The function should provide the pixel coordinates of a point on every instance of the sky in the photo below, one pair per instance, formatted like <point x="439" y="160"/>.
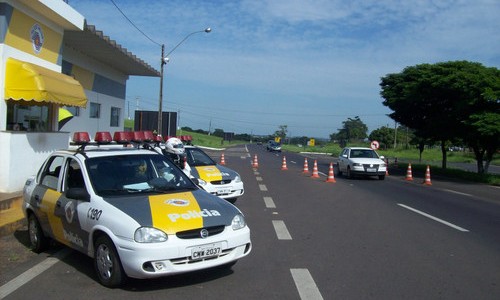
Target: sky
<point x="306" y="64"/>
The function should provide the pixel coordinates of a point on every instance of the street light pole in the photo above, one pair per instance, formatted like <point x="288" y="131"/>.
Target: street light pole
<point x="164" y="60"/>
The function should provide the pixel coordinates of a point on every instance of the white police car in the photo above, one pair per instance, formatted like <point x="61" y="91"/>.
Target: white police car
<point x="213" y="178"/>
<point x="132" y="210"/>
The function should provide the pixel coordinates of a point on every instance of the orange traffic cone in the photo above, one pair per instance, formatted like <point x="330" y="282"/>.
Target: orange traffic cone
<point x="427" y="180"/>
<point x="283" y="165"/>
<point x="331" y="177"/>
<point x="306" y="167"/>
<point x="409" y="176"/>
<point x="255" y="163"/>
<point x="222" y="160"/>
<point x="315" y="173"/>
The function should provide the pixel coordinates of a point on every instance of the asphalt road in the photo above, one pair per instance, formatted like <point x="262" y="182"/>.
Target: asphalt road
<point x="352" y="239"/>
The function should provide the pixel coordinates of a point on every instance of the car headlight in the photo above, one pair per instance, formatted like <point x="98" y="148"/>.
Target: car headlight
<point x="237" y="179"/>
<point x="149" y="235"/>
<point x="201" y="182"/>
<point x="357" y="165"/>
<point x="238" y="222"/>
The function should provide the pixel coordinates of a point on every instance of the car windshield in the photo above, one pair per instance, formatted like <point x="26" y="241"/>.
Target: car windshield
<point x="130" y="174"/>
<point x="363" y="153"/>
<point x="196" y="157"/>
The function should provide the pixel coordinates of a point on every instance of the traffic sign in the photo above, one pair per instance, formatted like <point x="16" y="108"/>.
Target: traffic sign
<point x="374" y="145"/>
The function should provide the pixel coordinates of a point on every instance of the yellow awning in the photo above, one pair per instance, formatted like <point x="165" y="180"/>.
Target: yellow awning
<point x="29" y="82"/>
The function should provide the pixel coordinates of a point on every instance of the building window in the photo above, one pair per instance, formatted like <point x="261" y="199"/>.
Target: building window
<point x="75" y="111"/>
<point x="95" y="110"/>
<point x="29" y="116"/>
<point x="115" y="117"/>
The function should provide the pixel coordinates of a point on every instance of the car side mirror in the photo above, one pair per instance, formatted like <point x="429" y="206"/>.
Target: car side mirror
<point x="382" y="157"/>
<point x="344" y="155"/>
<point x="78" y="194"/>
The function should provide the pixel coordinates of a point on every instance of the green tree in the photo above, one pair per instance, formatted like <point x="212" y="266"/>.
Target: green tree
<point x="281" y="132"/>
<point x="384" y="135"/>
<point x="352" y="130"/>
<point x="448" y="101"/>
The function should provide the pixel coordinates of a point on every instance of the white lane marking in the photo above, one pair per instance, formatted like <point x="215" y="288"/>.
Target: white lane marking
<point x="434" y="218"/>
<point x="262" y="187"/>
<point x="293" y="162"/>
<point x="27" y="276"/>
<point x="455" y="192"/>
<point x="269" y="202"/>
<point x="258" y="178"/>
<point x="305" y="284"/>
<point x="281" y="231"/>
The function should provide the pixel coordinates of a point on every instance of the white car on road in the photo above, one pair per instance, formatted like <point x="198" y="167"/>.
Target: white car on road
<point x="361" y="161"/>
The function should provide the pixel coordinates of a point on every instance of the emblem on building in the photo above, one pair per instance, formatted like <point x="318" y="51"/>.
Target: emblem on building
<point x="37" y="38"/>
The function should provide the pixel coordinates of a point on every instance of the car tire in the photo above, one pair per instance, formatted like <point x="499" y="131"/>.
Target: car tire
<point x="381" y="177"/>
<point x="348" y="172"/>
<point x="107" y="263"/>
<point x="38" y="241"/>
<point x="232" y="200"/>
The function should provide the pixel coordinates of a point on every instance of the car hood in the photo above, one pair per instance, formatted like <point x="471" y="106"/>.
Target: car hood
<point x="213" y="173"/>
<point x="367" y="161"/>
<point x="177" y="211"/>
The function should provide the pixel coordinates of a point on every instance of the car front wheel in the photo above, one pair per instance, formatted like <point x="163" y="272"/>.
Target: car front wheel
<point x="38" y="241"/>
<point x="348" y="173"/>
<point x="107" y="263"/>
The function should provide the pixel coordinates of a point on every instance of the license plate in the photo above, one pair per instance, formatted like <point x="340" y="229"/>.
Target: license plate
<point x="223" y="191"/>
<point x="206" y="251"/>
<point x="371" y="170"/>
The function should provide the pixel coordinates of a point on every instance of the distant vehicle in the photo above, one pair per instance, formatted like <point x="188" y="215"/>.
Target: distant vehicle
<point x="273" y="146"/>
<point x="216" y="179"/>
<point x="361" y="161"/>
<point x="133" y="211"/>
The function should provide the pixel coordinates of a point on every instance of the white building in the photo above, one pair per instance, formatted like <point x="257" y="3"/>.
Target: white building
<point x="51" y="59"/>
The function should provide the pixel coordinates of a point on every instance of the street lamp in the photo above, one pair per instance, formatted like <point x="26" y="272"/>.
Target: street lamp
<point x="164" y="60"/>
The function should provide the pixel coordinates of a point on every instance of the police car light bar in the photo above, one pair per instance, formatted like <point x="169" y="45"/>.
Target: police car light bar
<point x="123" y="137"/>
<point x="81" y="138"/>
<point x="148" y="136"/>
<point x="103" y="137"/>
<point x="138" y="137"/>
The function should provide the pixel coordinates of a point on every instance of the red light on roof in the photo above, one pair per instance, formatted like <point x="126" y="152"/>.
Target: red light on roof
<point x="148" y="136"/>
<point x="103" y="137"/>
<point x="81" y="138"/>
<point x="158" y="138"/>
<point x="138" y="136"/>
<point x="123" y="137"/>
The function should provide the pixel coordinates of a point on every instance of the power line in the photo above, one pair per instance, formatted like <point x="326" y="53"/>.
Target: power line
<point x="130" y="21"/>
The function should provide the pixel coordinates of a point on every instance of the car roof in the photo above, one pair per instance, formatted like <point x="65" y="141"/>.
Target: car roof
<point x="358" y="148"/>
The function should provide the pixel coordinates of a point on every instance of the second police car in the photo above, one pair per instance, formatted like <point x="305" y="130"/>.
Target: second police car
<point x="133" y="211"/>
<point x="214" y="178"/>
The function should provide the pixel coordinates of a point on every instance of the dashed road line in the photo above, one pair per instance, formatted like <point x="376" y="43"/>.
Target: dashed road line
<point x="281" y="230"/>
<point x="263" y="187"/>
<point x="434" y="218"/>
<point x="269" y="202"/>
<point x="258" y="178"/>
<point x="459" y="193"/>
<point x="305" y="284"/>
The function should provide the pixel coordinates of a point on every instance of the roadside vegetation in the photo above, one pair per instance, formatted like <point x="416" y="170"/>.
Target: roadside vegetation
<point x="431" y="156"/>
